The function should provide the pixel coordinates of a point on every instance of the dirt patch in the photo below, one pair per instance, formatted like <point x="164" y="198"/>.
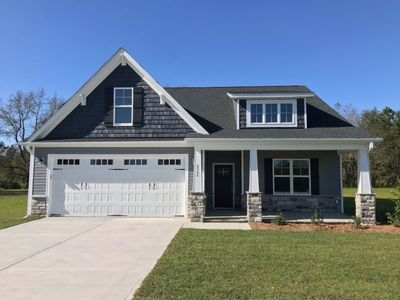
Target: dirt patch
<point x="327" y="227"/>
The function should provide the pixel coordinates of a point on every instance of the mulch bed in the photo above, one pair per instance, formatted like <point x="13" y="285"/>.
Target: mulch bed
<point x="327" y="227"/>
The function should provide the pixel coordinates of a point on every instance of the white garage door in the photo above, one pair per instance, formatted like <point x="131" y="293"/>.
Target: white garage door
<point x="139" y="186"/>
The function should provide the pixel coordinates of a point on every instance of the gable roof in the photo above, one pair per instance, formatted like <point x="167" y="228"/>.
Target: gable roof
<point x="213" y="109"/>
<point x="119" y="57"/>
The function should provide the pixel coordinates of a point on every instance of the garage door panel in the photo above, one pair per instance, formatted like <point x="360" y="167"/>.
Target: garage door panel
<point x="138" y="191"/>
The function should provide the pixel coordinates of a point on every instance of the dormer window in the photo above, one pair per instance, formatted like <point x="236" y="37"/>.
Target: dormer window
<point x="271" y="113"/>
<point x="123" y="106"/>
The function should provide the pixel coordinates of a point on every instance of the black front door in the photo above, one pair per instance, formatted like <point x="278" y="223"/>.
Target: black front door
<point x="223" y="186"/>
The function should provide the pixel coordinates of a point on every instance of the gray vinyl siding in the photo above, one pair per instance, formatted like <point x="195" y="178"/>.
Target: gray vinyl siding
<point x="39" y="172"/>
<point x="159" y="120"/>
<point x="329" y="168"/>
<point x="300" y="114"/>
<point x="222" y="157"/>
<point x="40" y="175"/>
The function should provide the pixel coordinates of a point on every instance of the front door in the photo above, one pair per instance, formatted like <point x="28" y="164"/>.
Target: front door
<point x="223" y="186"/>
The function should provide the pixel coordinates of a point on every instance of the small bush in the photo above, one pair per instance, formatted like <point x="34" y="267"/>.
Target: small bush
<point x="357" y="222"/>
<point x="279" y="220"/>
<point x="317" y="218"/>
<point x="394" y="217"/>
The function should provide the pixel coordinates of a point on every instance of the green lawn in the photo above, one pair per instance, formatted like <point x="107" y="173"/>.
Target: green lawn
<point x="13" y="208"/>
<point x="384" y="202"/>
<point x="216" y="264"/>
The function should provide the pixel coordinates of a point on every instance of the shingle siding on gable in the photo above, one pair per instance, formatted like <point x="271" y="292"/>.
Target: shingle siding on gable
<point x="300" y="113"/>
<point x="242" y="113"/>
<point x="159" y="121"/>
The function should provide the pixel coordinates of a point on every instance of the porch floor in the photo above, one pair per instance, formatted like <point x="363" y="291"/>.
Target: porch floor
<point x="290" y="216"/>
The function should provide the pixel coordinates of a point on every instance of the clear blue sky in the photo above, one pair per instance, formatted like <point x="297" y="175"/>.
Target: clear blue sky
<point x="346" y="51"/>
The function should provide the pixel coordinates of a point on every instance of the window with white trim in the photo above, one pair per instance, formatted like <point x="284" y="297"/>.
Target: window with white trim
<point x="292" y="176"/>
<point x="271" y="113"/>
<point x="123" y="106"/>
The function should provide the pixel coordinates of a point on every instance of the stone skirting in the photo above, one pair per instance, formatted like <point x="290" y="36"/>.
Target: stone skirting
<point x="196" y="207"/>
<point x="301" y="203"/>
<point x="39" y="206"/>
<point x="365" y="208"/>
<point x="254" y="208"/>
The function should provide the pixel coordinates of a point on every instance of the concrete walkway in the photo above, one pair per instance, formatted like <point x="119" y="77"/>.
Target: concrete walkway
<point x="81" y="258"/>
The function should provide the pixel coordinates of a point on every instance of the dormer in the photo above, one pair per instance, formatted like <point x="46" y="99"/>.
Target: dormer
<point x="270" y="110"/>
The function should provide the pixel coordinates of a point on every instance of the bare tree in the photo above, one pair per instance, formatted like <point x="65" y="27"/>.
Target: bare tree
<point x="22" y="114"/>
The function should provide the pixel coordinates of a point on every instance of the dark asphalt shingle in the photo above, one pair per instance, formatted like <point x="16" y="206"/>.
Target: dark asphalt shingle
<point x="213" y="109"/>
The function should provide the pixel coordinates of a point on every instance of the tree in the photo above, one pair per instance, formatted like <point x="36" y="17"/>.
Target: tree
<point x="385" y="157"/>
<point x="349" y="160"/>
<point x="20" y="116"/>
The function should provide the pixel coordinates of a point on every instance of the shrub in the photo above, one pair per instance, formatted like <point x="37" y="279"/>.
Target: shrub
<point x="317" y="218"/>
<point x="279" y="220"/>
<point x="357" y="222"/>
<point x="394" y="217"/>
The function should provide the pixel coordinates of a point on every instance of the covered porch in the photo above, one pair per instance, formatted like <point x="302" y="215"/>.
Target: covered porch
<point x="258" y="183"/>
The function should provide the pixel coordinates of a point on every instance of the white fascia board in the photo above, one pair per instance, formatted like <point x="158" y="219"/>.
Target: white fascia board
<point x="120" y="57"/>
<point x="269" y="95"/>
<point x="280" y="144"/>
<point x="109" y="144"/>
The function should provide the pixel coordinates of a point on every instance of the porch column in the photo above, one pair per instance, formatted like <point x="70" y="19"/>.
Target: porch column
<point x="197" y="198"/>
<point x="365" y="199"/>
<point x="254" y="200"/>
<point x="197" y="171"/>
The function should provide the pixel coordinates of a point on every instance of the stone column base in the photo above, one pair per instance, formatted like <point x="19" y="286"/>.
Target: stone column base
<point x="196" y="207"/>
<point x="254" y="207"/>
<point x="39" y="207"/>
<point x="365" y="208"/>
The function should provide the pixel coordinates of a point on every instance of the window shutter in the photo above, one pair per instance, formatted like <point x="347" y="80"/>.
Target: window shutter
<point x="138" y="107"/>
<point x="268" y="176"/>
<point x="314" y="176"/>
<point x="109" y="106"/>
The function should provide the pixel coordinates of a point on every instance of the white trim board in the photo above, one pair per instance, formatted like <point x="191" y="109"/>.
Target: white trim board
<point x="120" y="57"/>
<point x="256" y="95"/>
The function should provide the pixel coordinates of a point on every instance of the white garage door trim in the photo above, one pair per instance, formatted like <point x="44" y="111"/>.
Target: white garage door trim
<point x="52" y="157"/>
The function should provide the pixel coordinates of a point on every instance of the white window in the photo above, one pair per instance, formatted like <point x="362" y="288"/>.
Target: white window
<point x="271" y="113"/>
<point x="292" y="176"/>
<point x="123" y="106"/>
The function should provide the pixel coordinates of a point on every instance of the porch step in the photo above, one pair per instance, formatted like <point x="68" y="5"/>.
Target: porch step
<point x="225" y="219"/>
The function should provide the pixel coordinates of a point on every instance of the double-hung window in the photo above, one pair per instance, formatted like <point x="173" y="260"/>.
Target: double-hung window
<point x="271" y="113"/>
<point x="123" y="106"/>
<point x="292" y="176"/>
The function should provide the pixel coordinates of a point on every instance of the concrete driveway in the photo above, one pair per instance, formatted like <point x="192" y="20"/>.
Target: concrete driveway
<point x="81" y="258"/>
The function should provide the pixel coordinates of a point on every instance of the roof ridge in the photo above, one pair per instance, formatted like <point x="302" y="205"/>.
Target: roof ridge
<point x="233" y="86"/>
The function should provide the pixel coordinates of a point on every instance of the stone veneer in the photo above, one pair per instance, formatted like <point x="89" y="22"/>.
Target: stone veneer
<point x="254" y="207"/>
<point x="196" y="207"/>
<point x="38" y="206"/>
<point x="301" y="203"/>
<point x="365" y="208"/>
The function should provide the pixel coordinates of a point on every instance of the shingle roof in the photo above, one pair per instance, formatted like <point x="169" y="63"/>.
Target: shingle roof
<point x="213" y="109"/>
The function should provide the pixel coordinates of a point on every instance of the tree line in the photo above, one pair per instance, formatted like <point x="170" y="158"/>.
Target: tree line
<point x="24" y="112"/>
<point x="385" y="156"/>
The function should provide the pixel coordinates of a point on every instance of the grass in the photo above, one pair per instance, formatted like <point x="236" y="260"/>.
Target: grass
<point x="13" y="205"/>
<point x="215" y="264"/>
<point x="384" y="202"/>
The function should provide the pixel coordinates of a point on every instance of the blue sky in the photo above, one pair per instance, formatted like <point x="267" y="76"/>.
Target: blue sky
<point x="346" y="51"/>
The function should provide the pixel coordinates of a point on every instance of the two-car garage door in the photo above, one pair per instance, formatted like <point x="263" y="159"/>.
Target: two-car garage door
<point x="137" y="186"/>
